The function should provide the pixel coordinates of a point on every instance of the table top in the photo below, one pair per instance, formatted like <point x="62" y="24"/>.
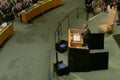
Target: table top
<point x="75" y="38"/>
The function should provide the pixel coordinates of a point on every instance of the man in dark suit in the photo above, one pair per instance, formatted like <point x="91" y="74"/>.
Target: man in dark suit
<point x="88" y="5"/>
<point x="86" y="33"/>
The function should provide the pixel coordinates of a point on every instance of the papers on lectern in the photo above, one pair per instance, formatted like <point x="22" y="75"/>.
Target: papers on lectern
<point x="76" y="37"/>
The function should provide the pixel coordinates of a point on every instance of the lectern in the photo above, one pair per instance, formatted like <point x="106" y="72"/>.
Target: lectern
<point x="78" y="58"/>
<point x="75" y="39"/>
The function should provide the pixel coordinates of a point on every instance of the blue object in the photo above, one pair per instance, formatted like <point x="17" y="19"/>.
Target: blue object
<point x="63" y="45"/>
<point x="61" y="66"/>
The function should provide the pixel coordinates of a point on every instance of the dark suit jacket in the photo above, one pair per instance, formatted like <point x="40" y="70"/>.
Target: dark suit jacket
<point x="88" y="2"/>
<point x="86" y="36"/>
<point x="118" y="6"/>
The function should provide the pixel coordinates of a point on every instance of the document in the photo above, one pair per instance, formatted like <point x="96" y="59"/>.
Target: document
<point x="76" y="37"/>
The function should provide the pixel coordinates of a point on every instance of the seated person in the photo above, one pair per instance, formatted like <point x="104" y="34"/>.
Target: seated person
<point x="8" y="10"/>
<point x="16" y="9"/>
<point x="86" y="33"/>
<point x="96" y="5"/>
<point x="35" y="1"/>
<point x="88" y="5"/>
<point x="112" y="4"/>
<point x="26" y="4"/>
<point x="2" y="17"/>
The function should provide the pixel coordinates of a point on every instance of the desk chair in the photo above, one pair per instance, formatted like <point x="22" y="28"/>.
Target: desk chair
<point x="106" y="26"/>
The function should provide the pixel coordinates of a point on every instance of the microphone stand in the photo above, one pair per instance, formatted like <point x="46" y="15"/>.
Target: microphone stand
<point x="56" y="57"/>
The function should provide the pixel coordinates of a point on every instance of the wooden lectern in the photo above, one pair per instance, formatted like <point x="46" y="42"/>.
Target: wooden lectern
<point x="75" y="39"/>
<point x="78" y="58"/>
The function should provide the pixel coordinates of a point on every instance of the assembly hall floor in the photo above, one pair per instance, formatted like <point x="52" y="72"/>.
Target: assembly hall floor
<point x="29" y="53"/>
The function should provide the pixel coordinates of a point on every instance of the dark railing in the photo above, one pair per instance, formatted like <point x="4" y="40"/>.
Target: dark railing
<point x="58" y="31"/>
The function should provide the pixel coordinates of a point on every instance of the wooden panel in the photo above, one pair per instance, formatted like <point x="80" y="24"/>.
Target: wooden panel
<point x="39" y="8"/>
<point x="6" y="32"/>
<point x="56" y="3"/>
<point x="23" y="17"/>
<point x="76" y="44"/>
<point x="47" y="6"/>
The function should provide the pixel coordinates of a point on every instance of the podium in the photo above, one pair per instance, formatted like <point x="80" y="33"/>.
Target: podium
<point x="78" y="58"/>
<point x="75" y="39"/>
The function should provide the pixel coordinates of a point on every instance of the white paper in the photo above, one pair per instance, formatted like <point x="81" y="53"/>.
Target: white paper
<point x="76" y="37"/>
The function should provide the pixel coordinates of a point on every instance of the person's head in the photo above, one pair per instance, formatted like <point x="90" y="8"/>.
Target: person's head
<point x="18" y="5"/>
<point x="85" y="26"/>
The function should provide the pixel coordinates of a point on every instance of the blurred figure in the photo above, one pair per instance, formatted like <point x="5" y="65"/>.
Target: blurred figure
<point x="104" y="5"/>
<point x="16" y="9"/>
<point x="113" y="4"/>
<point x="34" y="1"/>
<point x="86" y="33"/>
<point x="6" y="7"/>
<point x="96" y="6"/>
<point x="2" y="17"/>
<point x="88" y="5"/>
<point x="118" y="10"/>
<point x="8" y="10"/>
<point x="26" y="4"/>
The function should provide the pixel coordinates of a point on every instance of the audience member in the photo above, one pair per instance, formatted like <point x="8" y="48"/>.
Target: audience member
<point x="88" y="5"/>
<point x="118" y="9"/>
<point x="96" y="6"/>
<point x="104" y="5"/>
<point x="16" y="9"/>
<point x="101" y="4"/>
<point x="11" y="8"/>
<point x="26" y="4"/>
<point x="2" y="17"/>
<point x="8" y="10"/>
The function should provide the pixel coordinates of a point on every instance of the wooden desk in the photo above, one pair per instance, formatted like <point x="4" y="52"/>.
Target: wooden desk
<point x="38" y="8"/>
<point x="5" y="32"/>
<point x="75" y="39"/>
